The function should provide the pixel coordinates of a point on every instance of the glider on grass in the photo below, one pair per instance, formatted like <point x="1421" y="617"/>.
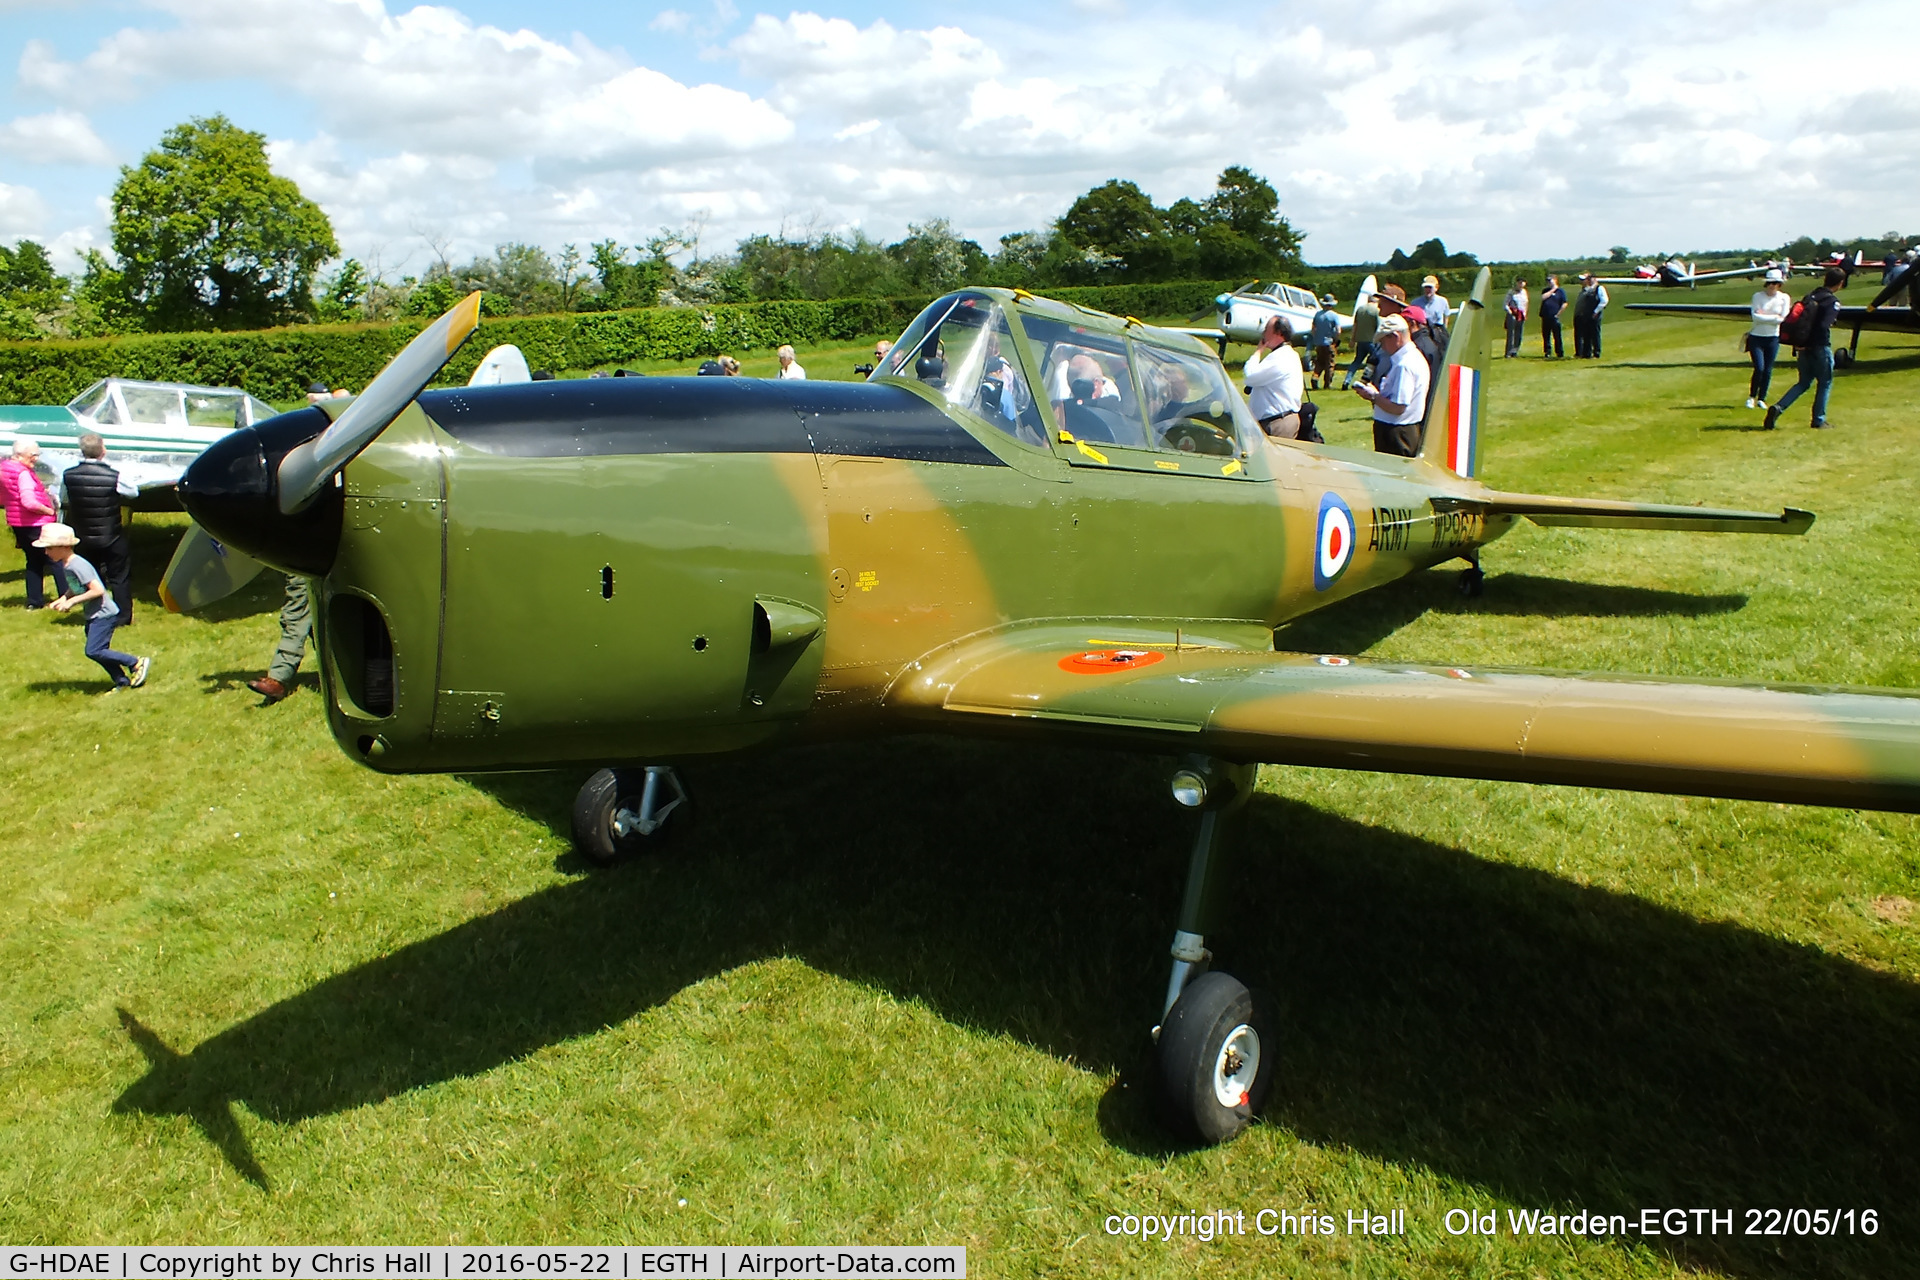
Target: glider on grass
<point x="613" y="575"/>
<point x="1675" y="274"/>
<point x="1875" y="317"/>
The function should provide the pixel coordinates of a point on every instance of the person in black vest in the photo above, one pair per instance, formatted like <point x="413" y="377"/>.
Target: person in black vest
<point x="95" y="489"/>
<point x="1588" y="307"/>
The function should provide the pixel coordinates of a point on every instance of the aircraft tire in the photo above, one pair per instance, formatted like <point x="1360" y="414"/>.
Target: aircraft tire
<point x="1218" y="1052"/>
<point x="603" y="795"/>
<point x="1473" y="582"/>
<point x="1842" y="358"/>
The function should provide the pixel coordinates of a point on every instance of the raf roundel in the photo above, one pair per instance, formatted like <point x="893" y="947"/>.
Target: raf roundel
<point x="1332" y="542"/>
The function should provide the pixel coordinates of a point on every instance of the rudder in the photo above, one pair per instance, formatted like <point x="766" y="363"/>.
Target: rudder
<point x="1454" y="417"/>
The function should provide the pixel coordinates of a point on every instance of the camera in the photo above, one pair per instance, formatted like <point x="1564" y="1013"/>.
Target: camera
<point x="864" y="370"/>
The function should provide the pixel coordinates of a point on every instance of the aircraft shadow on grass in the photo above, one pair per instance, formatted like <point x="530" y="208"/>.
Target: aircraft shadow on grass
<point x="1558" y="1045"/>
<point x="1360" y="622"/>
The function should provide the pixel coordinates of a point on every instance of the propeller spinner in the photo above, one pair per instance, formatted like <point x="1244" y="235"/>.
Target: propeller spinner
<point x="269" y="491"/>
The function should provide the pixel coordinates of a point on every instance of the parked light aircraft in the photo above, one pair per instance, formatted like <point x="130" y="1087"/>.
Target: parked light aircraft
<point x="1033" y="520"/>
<point x="1244" y="313"/>
<point x="152" y="430"/>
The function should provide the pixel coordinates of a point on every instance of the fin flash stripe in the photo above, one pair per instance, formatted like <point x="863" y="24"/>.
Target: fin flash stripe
<point x="1463" y="419"/>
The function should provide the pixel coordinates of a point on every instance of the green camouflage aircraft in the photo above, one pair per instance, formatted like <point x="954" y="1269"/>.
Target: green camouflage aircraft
<point x="1033" y="519"/>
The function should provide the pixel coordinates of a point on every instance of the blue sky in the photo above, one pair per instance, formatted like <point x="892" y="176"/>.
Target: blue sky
<point x="1513" y="128"/>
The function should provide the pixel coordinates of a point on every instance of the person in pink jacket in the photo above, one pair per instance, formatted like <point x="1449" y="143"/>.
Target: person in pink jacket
<point x="30" y="506"/>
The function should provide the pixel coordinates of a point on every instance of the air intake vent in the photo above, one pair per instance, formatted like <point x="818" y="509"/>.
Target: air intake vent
<point x="362" y="656"/>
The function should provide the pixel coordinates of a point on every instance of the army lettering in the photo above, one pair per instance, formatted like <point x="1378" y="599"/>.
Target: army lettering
<point x="1392" y="528"/>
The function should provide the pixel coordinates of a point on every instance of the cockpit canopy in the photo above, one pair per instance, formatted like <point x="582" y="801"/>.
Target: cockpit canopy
<point x="1099" y="382"/>
<point x="125" y="402"/>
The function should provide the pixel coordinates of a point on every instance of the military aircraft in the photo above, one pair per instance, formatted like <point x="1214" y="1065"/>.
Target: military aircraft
<point x="1244" y="313"/>
<point x="1033" y="520"/>
<point x="1875" y="317"/>
<point x="1675" y="274"/>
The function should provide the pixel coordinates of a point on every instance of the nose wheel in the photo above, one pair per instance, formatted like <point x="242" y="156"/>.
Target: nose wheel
<point x="622" y="812"/>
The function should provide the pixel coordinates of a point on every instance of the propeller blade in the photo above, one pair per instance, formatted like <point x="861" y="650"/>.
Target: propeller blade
<point x="1901" y="279"/>
<point x="308" y="468"/>
<point x="202" y="571"/>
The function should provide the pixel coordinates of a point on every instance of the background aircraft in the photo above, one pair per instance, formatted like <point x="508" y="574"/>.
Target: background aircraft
<point x="1033" y="520"/>
<point x="1675" y="274"/>
<point x="1875" y="317"/>
<point x="152" y="430"/>
<point x="1244" y="313"/>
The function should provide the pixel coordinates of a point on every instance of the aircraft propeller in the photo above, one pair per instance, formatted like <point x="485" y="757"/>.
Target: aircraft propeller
<point x="1220" y="300"/>
<point x="258" y="487"/>
<point x="204" y="570"/>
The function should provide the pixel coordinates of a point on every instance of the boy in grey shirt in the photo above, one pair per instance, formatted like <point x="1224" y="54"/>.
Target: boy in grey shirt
<point x="103" y="615"/>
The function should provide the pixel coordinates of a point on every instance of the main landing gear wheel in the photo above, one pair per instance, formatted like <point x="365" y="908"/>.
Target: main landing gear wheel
<point x="1473" y="582"/>
<point x="1217" y="1053"/>
<point x="1842" y="358"/>
<point x="621" y="812"/>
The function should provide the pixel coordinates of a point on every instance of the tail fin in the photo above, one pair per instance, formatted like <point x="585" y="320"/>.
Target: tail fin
<point x="1368" y="288"/>
<point x="1453" y="415"/>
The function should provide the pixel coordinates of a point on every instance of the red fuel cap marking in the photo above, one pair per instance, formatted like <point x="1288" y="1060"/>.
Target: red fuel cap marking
<point x="1099" y="662"/>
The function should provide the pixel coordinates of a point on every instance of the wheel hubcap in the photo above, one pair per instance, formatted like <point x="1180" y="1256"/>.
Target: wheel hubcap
<point x="1237" y="1066"/>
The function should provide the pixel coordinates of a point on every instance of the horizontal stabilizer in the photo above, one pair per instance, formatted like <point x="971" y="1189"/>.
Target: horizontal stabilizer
<point x="1601" y="513"/>
<point x="1112" y="683"/>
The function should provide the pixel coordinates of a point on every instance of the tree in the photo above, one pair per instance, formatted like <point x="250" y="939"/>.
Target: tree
<point x="1115" y="230"/>
<point x="935" y="260"/>
<point x="1618" y="253"/>
<point x="1115" y="220"/>
<point x="209" y="237"/>
<point x="344" y="294"/>
<point x="1247" y="203"/>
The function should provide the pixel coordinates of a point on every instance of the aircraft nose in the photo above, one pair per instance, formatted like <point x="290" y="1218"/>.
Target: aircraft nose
<point x="232" y="491"/>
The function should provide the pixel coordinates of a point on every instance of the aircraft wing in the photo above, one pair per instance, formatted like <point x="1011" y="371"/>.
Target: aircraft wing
<point x="1701" y="277"/>
<point x="1212" y="687"/>
<point x="1879" y="320"/>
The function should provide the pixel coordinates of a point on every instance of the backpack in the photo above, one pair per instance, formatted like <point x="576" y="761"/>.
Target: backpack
<point x="1797" y="328"/>
<point x="1308" y="433"/>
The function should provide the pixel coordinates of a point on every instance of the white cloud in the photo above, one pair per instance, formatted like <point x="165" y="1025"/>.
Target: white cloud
<point x="57" y="137"/>
<point x="1508" y="128"/>
<point x="22" y="211"/>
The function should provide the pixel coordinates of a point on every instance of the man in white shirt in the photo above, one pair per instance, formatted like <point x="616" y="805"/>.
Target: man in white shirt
<point x="1400" y="401"/>
<point x="1274" y="380"/>
<point x="1433" y="302"/>
<point x="789" y="367"/>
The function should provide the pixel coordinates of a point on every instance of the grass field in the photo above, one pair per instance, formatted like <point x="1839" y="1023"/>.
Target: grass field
<point x="898" y="992"/>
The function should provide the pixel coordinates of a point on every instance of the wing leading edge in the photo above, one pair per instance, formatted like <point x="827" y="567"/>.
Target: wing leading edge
<point x="1799" y="745"/>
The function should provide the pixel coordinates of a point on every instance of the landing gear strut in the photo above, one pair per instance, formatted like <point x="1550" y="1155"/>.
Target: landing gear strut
<point x="1473" y="579"/>
<point x="1218" y="1043"/>
<point x="620" y="812"/>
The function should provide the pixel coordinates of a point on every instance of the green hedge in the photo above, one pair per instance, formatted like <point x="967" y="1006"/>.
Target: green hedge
<point x="278" y="364"/>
